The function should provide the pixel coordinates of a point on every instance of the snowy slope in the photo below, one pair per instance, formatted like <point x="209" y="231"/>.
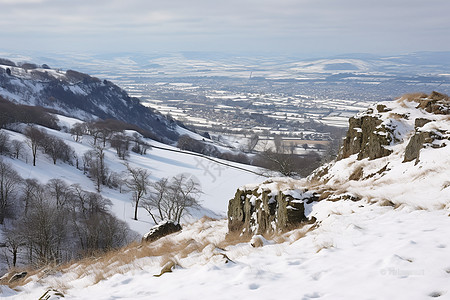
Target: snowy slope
<point x="421" y="184"/>
<point x="217" y="181"/>
<point x="389" y="241"/>
<point x="358" y="252"/>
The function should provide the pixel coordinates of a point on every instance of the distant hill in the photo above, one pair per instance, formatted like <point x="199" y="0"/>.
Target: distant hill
<point x="79" y="95"/>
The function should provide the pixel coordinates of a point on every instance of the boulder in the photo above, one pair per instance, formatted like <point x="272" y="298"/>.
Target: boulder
<point x="161" y="230"/>
<point x="420" y="122"/>
<point x="436" y="103"/>
<point x="422" y="139"/>
<point x="412" y="150"/>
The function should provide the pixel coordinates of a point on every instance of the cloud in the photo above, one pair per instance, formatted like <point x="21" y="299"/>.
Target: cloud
<point x="237" y="23"/>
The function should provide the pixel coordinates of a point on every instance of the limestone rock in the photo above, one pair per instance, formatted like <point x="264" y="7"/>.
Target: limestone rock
<point x="436" y="103"/>
<point x="412" y="150"/>
<point x="434" y="138"/>
<point x="420" y="122"/>
<point x="161" y="230"/>
<point x="261" y="210"/>
<point x="367" y="138"/>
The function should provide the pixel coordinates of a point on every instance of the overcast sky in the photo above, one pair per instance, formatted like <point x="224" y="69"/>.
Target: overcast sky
<point x="278" y="26"/>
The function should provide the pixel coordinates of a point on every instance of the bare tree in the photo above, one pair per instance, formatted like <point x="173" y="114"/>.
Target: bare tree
<point x="56" y="148"/>
<point x="59" y="192"/>
<point x="158" y="201"/>
<point x="105" y="133"/>
<point x="14" y="240"/>
<point x="9" y="183"/>
<point x="252" y="142"/>
<point x="34" y="138"/>
<point x="185" y="192"/>
<point x="140" y="146"/>
<point x="16" y="148"/>
<point x="93" y="130"/>
<point x="278" y="142"/>
<point x="170" y="199"/>
<point x="4" y="142"/>
<point x="44" y="230"/>
<point x="77" y="131"/>
<point x="94" y="163"/>
<point x="31" y="192"/>
<point x="137" y="183"/>
<point x="121" y="143"/>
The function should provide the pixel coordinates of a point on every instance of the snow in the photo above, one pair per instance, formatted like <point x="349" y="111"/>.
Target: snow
<point x="218" y="182"/>
<point x="358" y="252"/>
<point x="363" y="249"/>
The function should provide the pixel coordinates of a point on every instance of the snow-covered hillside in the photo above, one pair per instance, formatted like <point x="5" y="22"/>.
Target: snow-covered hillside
<point x="79" y="95"/>
<point x="381" y="229"/>
<point x="217" y="181"/>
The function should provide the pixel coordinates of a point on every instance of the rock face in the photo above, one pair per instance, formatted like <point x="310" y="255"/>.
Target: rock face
<point x="372" y="132"/>
<point x="161" y="230"/>
<point x="265" y="209"/>
<point x="416" y="142"/>
<point x="366" y="137"/>
<point x="428" y="136"/>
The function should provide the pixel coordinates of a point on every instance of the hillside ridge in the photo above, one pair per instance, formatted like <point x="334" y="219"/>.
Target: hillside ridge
<point x="79" y="95"/>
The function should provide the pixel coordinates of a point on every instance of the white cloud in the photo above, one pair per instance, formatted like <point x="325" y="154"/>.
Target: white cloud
<point x="238" y="23"/>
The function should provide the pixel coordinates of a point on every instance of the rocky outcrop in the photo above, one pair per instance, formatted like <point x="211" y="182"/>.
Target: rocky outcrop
<point x="377" y="140"/>
<point x="265" y="209"/>
<point x="416" y="142"/>
<point x="436" y="103"/>
<point x="161" y="230"/>
<point x="428" y="136"/>
<point x="366" y="137"/>
<point x="434" y="138"/>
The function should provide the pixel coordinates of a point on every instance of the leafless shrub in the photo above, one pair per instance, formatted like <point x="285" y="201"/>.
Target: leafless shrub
<point x="137" y="183"/>
<point x="16" y="148"/>
<point x="169" y="199"/>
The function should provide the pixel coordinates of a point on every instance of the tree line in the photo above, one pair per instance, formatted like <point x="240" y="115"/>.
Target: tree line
<point x="54" y="222"/>
<point x="59" y="221"/>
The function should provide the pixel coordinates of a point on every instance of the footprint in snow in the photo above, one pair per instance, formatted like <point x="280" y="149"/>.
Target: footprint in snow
<point x="314" y="295"/>
<point x="253" y="286"/>
<point x="436" y="294"/>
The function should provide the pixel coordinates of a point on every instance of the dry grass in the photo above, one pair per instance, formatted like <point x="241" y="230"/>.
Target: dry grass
<point x="445" y="185"/>
<point x="413" y="97"/>
<point x="357" y="174"/>
<point x="387" y="202"/>
<point x="234" y="238"/>
<point x="397" y="116"/>
<point x="101" y="266"/>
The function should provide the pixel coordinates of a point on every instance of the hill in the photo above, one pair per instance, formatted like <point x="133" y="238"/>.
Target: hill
<point x="376" y="226"/>
<point x="74" y="174"/>
<point x="79" y="95"/>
